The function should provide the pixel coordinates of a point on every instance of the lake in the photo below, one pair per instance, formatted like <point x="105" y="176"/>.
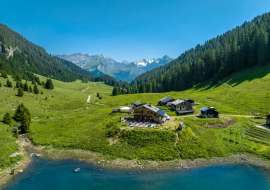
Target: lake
<point x="50" y="174"/>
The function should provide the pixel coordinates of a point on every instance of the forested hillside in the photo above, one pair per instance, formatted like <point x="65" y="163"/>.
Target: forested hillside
<point x="245" y="46"/>
<point x="18" y="56"/>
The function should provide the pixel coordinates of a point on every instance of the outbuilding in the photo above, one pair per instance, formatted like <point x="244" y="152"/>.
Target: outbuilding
<point x="268" y="119"/>
<point x="137" y="104"/>
<point x="182" y="106"/>
<point x="165" y="100"/>
<point x="209" y="112"/>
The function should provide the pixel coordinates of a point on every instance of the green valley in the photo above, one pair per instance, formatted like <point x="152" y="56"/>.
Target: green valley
<point x="62" y="119"/>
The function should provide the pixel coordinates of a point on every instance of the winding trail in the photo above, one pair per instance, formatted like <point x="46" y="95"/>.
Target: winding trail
<point x="88" y="100"/>
<point x="225" y="83"/>
<point x="85" y="89"/>
<point x="177" y="139"/>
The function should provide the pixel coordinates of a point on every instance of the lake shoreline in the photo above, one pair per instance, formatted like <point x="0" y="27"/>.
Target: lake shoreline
<point x="123" y="164"/>
<point x="25" y="144"/>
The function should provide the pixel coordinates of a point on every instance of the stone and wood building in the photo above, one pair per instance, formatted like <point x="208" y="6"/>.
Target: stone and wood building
<point x="147" y="112"/>
<point x="182" y="106"/>
<point x="164" y="101"/>
<point x="209" y="112"/>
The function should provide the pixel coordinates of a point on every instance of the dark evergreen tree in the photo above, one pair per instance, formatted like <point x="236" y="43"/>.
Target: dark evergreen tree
<point x="17" y="84"/>
<point x="7" y="119"/>
<point x="20" y="92"/>
<point x="49" y="84"/>
<point x="98" y="94"/>
<point x="36" y="91"/>
<point x="30" y="89"/>
<point x="115" y="91"/>
<point x="25" y="87"/>
<point x="9" y="83"/>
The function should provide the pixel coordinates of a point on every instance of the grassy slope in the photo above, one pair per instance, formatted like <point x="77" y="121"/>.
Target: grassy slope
<point x="67" y="121"/>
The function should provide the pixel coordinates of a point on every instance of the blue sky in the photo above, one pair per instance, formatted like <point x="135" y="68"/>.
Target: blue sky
<point x="126" y="29"/>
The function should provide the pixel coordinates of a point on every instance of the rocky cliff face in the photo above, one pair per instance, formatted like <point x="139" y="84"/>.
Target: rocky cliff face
<point x="8" y="50"/>
<point x="125" y="71"/>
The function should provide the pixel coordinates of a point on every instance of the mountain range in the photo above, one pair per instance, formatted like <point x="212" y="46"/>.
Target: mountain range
<point x="125" y="71"/>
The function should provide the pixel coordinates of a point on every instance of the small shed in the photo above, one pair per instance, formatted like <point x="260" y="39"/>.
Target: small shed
<point x="189" y="100"/>
<point x="137" y="104"/>
<point x="209" y="112"/>
<point x="268" y="119"/>
<point x="165" y="100"/>
<point x="116" y="109"/>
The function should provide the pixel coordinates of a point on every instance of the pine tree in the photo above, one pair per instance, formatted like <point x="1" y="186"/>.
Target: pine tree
<point x="115" y="91"/>
<point x="17" y="84"/>
<point x="49" y="84"/>
<point x="30" y="89"/>
<point x="25" y="87"/>
<point x="7" y="119"/>
<point x="25" y="121"/>
<point x="20" y="92"/>
<point x="41" y="92"/>
<point x="33" y="82"/>
<point x="36" y="91"/>
<point x="9" y="83"/>
<point x="21" y="84"/>
<point x="98" y="94"/>
<point x="4" y="74"/>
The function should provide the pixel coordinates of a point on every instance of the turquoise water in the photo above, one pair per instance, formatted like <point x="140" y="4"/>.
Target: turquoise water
<point x="50" y="175"/>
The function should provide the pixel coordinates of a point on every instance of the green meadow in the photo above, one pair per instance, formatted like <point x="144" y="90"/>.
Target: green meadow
<point x="62" y="119"/>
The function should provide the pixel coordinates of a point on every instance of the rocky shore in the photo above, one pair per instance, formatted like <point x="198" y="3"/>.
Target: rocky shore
<point x="119" y="163"/>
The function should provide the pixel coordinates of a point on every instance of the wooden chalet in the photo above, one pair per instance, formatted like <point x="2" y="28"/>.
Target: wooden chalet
<point x="209" y="112"/>
<point x="149" y="112"/>
<point x="182" y="106"/>
<point x="165" y="100"/>
<point x="268" y="119"/>
<point x="137" y="104"/>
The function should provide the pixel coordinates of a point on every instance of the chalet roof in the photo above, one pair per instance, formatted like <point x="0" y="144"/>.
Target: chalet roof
<point x="176" y="102"/>
<point x="153" y="108"/>
<point x="166" y="99"/>
<point x="137" y="103"/>
<point x="204" y="109"/>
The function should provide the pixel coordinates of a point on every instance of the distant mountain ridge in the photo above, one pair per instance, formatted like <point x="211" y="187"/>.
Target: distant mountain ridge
<point x="125" y="71"/>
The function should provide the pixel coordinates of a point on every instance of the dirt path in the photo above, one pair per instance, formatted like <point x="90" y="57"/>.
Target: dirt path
<point x="88" y="100"/>
<point x="177" y="139"/>
<point x="226" y="84"/>
<point x="172" y="117"/>
<point x="85" y="89"/>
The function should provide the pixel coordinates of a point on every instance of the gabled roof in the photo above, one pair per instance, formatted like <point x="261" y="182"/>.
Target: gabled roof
<point x="137" y="103"/>
<point x="176" y="102"/>
<point x="204" y="109"/>
<point x="153" y="108"/>
<point x="166" y="99"/>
